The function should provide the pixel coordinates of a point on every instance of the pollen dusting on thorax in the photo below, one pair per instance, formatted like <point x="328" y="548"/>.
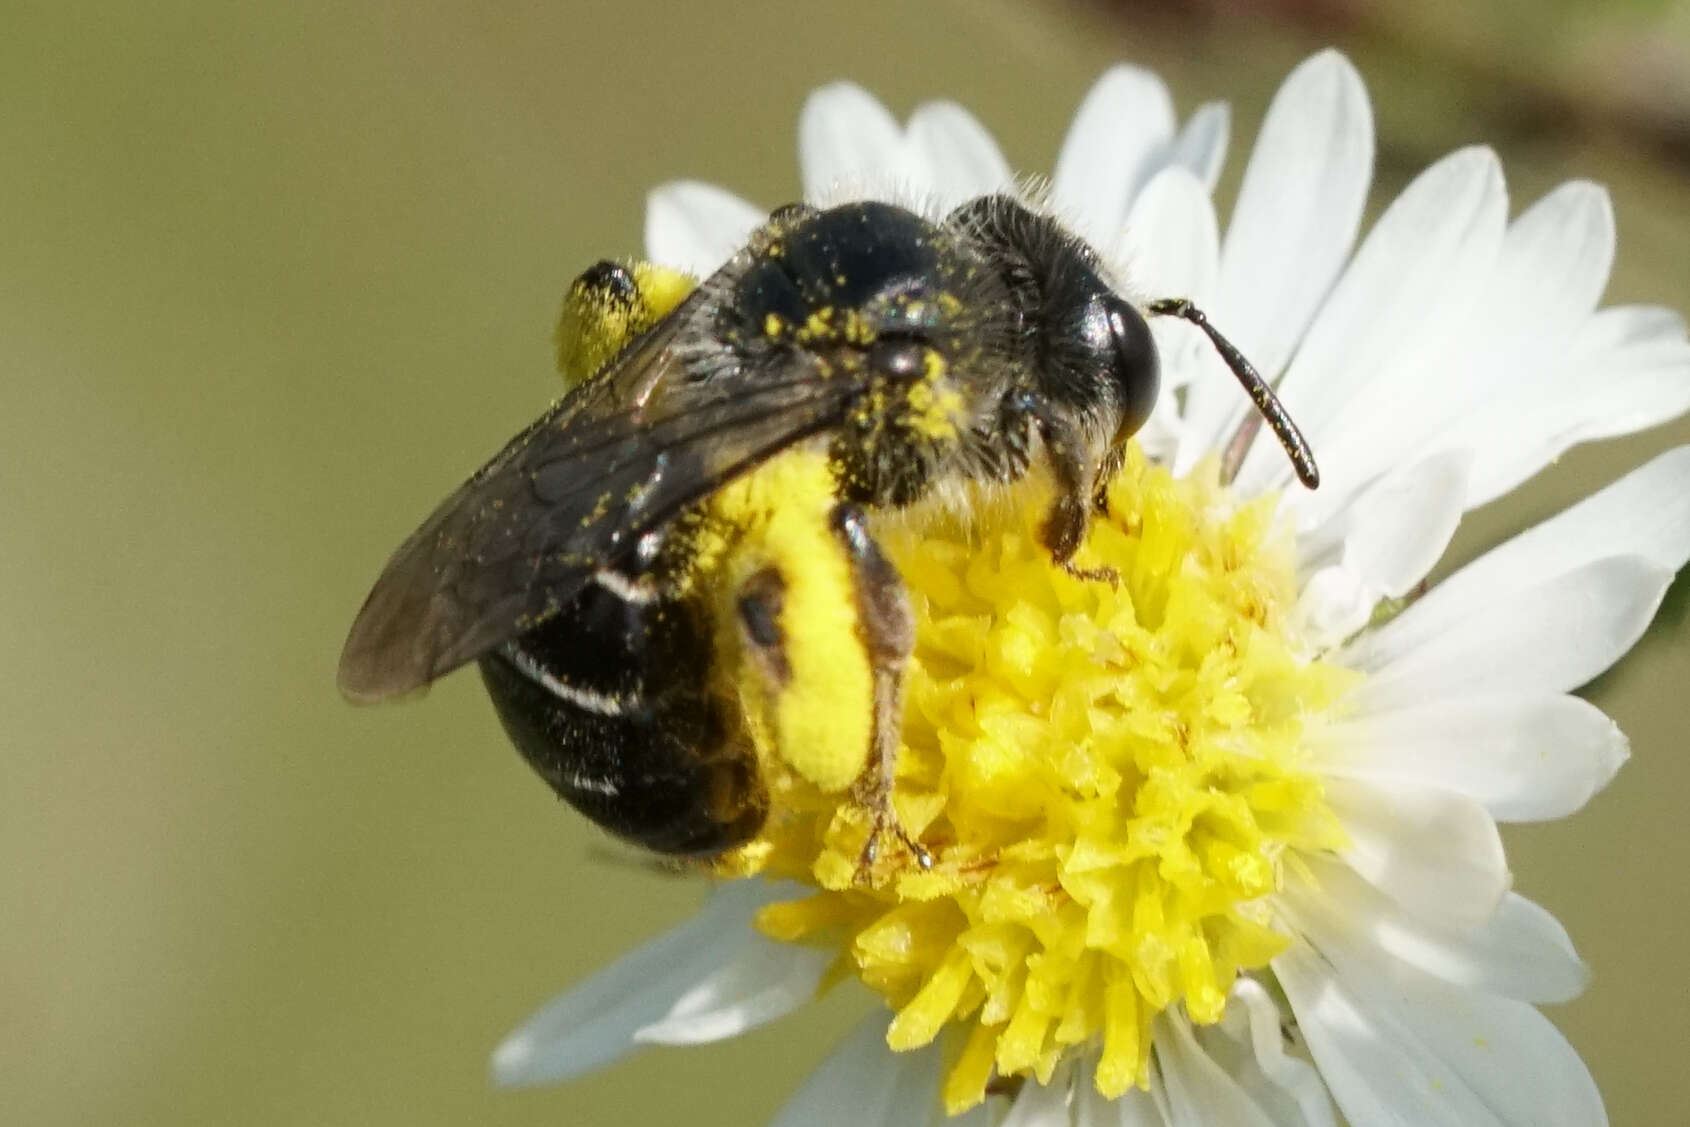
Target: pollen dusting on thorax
<point x="1110" y="778"/>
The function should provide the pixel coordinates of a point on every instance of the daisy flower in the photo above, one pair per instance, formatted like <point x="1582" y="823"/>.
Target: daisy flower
<point x="1218" y="843"/>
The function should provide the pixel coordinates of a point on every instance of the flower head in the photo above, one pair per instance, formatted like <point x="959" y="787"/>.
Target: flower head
<point x="1217" y="842"/>
<point x="1110" y="778"/>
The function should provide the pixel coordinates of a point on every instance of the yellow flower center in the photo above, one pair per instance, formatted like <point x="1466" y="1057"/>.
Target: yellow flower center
<point x="1110" y="778"/>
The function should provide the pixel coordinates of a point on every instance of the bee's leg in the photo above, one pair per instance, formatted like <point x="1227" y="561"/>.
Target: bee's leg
<point x="1112" y="463"/>
<point x="1064" y="527"/>
<point x="791" y="214"/>
<point x="606" y="307"/>
<point x="888" y="631"/>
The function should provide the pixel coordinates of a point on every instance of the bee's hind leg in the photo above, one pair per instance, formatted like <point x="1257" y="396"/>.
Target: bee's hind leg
<point x="606" y="307"/>
<point x="888" y="631"/>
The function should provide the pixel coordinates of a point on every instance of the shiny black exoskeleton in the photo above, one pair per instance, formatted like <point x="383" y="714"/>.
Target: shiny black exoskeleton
<point x="918" y="355"/>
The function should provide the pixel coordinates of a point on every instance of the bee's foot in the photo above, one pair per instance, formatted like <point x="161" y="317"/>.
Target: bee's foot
<point x="886" y="822"/>
<point x="1093" y="574"/>
<point x="918" y="852"/>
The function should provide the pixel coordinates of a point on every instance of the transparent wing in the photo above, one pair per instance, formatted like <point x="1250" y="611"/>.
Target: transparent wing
<point x="617" y="458"/>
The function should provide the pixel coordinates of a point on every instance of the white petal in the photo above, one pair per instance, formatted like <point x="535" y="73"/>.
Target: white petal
<point x="1172" y="247"/>
<point x="763" y="981"/>
<point x="1499" y="637"/>
<point x="1406" y="523"/>
<point x="1498" y="391"/>
<point x="866" y="1084"/>
<point x="1124" y="122"/>
<point x="1250" y="1043"/>
<point x="1413" y="285"/>
<point x="1509" y="1054"/>
<point x="696" y="227"/>
<point x="1297" y="215"/>
<point x="980" y="1115"/>
<point x="594" y="1023"/>
<point x="1091" y="1109"/>
<point x="1379" y="1073"/>
<point x="1398" y="528"/>
<point x="915" y="1091"/>
<point x="1499" y="1053"/>
<point x="1519" y="951"/>
<point x="1088" y="1108"/>
<point x="1199" y="1091"/>
<point x="847" y="138"/>
<point x="1040" y="1105"/>
<point x="1525" y="757"/>
<point x="1543" y="611"/>
<point x="1434" y="852"/>
<point x="1624" y="370"/>
<point x="1552" y="270"/>
<point x="1300" y="201"/>
<point x="1560" y="250"/>
<point x="1160" y="436"/>
<point x="1543" y="386"/>
<point x="1645" y="513"/>
<point x="1201" y="145"/>
<point x="961" y="158"/>
<point x="1334" y="603"/>
<point x="1173" y="243"/>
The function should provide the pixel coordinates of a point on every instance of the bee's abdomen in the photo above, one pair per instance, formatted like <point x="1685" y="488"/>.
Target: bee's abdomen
<point x="610" y="703"/>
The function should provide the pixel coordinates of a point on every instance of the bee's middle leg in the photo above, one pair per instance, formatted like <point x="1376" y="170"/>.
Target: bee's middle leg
<point x="888" y="629"/>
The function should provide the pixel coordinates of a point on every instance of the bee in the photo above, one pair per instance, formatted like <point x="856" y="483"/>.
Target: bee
<point x="676" y="563"/>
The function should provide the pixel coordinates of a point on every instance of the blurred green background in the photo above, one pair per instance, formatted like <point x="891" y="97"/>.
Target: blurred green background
<point x="273" y="278"/>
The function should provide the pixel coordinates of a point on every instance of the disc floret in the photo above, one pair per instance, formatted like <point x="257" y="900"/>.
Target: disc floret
<point x="1110" y="777"/>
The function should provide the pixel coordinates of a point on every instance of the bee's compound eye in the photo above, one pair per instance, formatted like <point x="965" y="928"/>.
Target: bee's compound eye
<point x="1137" y="369"/>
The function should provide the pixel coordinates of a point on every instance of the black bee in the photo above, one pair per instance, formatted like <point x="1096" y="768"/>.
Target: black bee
<point x="675" y="565"/>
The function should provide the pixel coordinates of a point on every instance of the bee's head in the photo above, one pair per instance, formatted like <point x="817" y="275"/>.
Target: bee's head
<point x="1095" y="360"/>
<point x="1093" y="354"/>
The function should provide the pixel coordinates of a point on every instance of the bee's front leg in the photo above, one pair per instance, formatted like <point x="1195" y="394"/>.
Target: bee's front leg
<point x="1075" y="470"/>
<point x="887" y="626"/>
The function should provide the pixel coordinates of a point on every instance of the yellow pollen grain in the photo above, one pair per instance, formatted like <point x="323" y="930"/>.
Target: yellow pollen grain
<point x="818" y="325"/>
<point x="1111" y="780"/>
<point x="935" y="407"/>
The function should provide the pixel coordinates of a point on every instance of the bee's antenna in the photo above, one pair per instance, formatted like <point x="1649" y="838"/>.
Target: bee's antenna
<point x="1302" y="458"/>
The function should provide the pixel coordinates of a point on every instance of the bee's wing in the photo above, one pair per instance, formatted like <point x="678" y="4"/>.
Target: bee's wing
<point x="574" y="492"/>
